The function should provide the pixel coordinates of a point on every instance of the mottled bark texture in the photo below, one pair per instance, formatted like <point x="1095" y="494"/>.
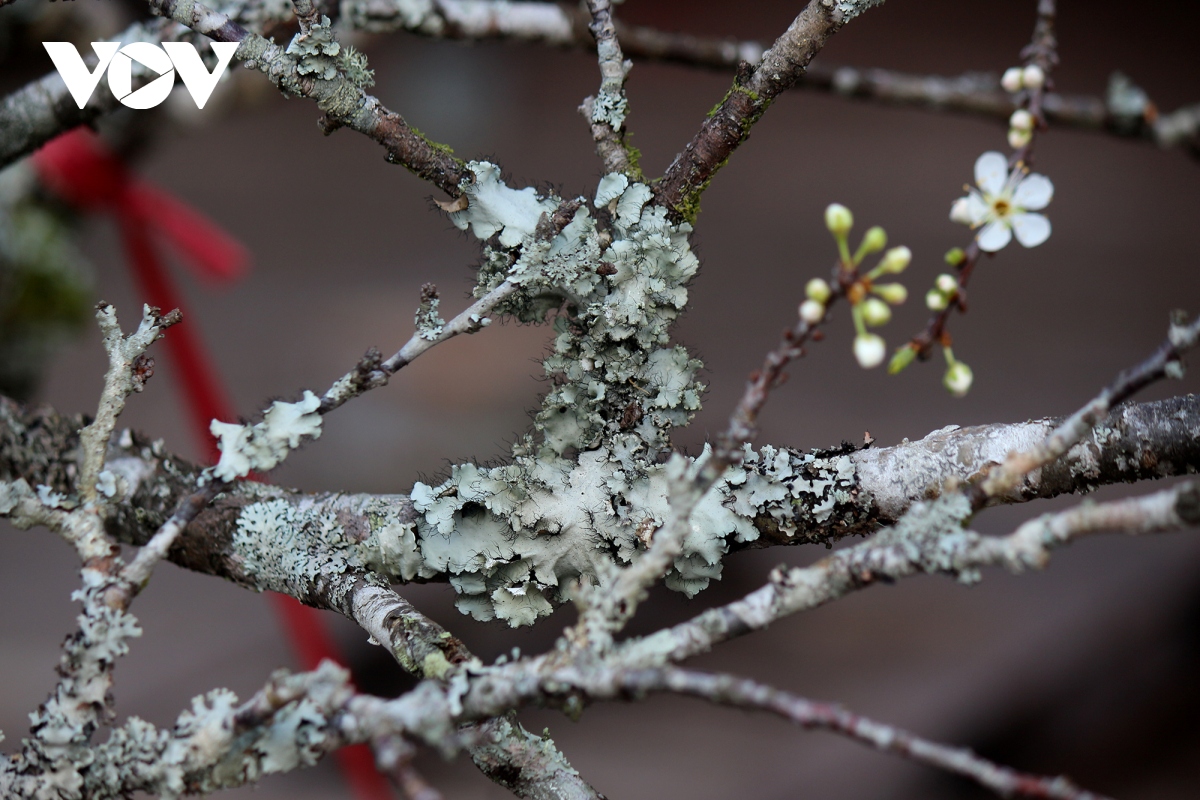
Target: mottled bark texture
<point x="1138" y="441"/>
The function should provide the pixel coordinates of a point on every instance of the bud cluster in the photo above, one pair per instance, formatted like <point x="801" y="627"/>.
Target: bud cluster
<point x="870" y="301"/>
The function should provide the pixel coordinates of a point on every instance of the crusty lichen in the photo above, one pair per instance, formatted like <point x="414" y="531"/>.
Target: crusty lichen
<point x="588" y="479"/>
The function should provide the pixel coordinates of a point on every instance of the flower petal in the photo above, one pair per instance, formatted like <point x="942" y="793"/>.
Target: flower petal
<point x="991" y="171"/>
<point x="1034" y="192"/>
<point x="1031" y="229"/>
<point x="994" y="236"/>
<point x="977" y="208"/>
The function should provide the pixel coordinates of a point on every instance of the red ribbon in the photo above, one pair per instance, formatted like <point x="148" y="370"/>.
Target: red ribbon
<point x="82" y="171"/>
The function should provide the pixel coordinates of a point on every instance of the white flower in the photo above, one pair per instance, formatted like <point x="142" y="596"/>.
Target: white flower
<point x="1002" y="204"/>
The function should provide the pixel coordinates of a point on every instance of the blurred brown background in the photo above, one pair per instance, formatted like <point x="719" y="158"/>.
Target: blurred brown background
<point x="1088" y="668"/>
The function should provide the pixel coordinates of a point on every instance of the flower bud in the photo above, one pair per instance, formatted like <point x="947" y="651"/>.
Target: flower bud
<point x="958" y="379"/>
<point x="838" y="219"/>
<point x="946" y="284"/>
<point x="1012" y="80"/>
<point x="936" y="301"/>
<point x="903" y="357"/>
<point x="875" y="312"/>
<point x="1018" y="138"/>
<point x="873" y="241"/>
<point x="895" y="260"/>
<point x="818" y="290"/>
<point x="812" y="312"/>
<point x="955" y="256"/>
<point x="894" y="293"/>
<point x="960" y="212"/>
<point x="869" y="349"/>
<point x="1021" y="119"/>
<point x="1033" y="77"/>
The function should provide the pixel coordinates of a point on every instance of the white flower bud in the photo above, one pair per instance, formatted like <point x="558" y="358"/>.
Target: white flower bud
<point x="895" y="260"/>
<point x="1012" y="80"/>
<point x="1033" y="77"/>
<point x="812" y="312"/>
<point x="818" y="290"/>
<point x="946" y="284"/>
<point x="936" y="301"/>
<point x="1018" y="138"/>
<point x="960" y="212"/>
<point x="875" y="312"/>
<point x="1021" y="119"/>
<point x="958" y="379"/>
<point x="869" y="349"/>
<point x="838" y="219"/>
<point x="894" y="293"/>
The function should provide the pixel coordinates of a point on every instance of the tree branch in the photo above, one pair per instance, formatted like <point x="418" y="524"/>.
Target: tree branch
<point x="729" y="123"/>
<point x="338" y="92"/>
<point x="1138" y="441"/>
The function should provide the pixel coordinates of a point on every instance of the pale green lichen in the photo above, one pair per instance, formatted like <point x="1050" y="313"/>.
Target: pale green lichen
<point x="850" y="9"/>
<point x="261" y="447"/>
<point x="428" y="321"/>
<point x="291" y="549"/>
<point x="319" y="54"/>
<point x="494" y="208"/>
<point x="610" y="108"/>
<point x="588" y="480"/>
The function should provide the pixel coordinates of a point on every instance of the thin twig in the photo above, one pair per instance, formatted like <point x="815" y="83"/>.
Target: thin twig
<point x="606" y="112"/>
<point x="729" y="690"/>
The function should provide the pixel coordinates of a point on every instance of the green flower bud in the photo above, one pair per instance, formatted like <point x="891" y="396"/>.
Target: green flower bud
<point x="873" y="241"/>
<point x="875" y="312"/>
<point x="903" y="357"/>
<point x="946" y="284"/>
<point x="812" y="312"/>
<point x="1018" y="138"/>
<point x="936" y="301"/>
<point x="894" y="293"/>
<point x="838" y="219"/>
<point x="869" y="350"/>
<point x="958" y="379"/>
<point x="955" y="256"/>
<point x="818" y="290"/>
<point x="895" y="260"/>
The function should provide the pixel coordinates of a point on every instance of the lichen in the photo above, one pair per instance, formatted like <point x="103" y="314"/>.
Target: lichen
<point x="428" y="321"/>
<point x="611" y="109"/>
<point x="319" y="54"/>
<point x="262" y="446"/>
<point x="495" y="208"/>
<point x="292" y="549"/>
<point x="849" y="9"/>
<point x="513" y="539"/>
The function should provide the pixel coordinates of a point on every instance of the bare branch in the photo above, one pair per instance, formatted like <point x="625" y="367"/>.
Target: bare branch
<point x="341" y="97"/>
<point x="752" y="93"/>
<point x="729" y="690"/>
